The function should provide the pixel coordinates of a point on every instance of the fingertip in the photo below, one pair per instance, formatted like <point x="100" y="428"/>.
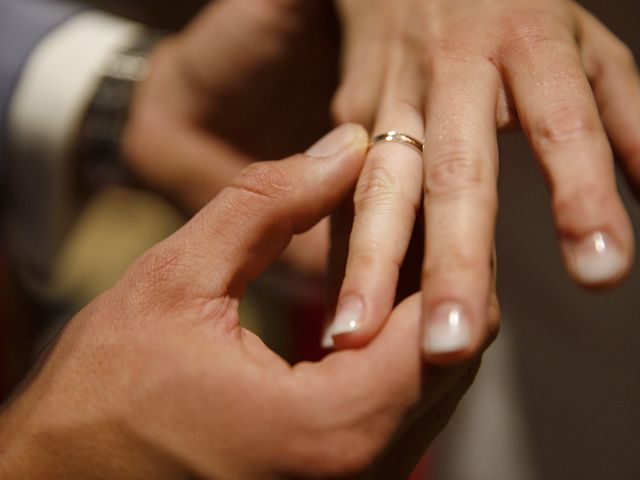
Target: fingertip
<point x="350" y="327"/>
<point x="597" y="260"/>
<point x="365" y="300"/>
<point x="327" y="342"/>
<point x="449" y="335"/>
<point x="358" y="320"/>
<point x="360" y="138"/>
<point x="349" y="316"/>
<point x="346" y="137"/>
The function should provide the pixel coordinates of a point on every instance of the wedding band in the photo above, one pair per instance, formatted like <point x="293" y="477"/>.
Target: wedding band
<point x="393" y="136"/>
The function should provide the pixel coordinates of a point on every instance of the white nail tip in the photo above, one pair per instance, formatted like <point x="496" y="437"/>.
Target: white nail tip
<point x="597" y="259"/>
<point x="349" y="317"/>
<point x="447" y="330"/>
<point x="327" y="339"/>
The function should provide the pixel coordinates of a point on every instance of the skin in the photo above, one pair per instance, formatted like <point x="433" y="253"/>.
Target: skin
<point x="456" y="73"/>
<point x="200" y="117"/>
<point x="156" y="379"/>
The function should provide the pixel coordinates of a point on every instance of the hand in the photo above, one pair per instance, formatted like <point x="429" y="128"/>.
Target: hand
<point x="469" y="68"/>
<point x="156" y="379"/>
<point x="207" y="109"/>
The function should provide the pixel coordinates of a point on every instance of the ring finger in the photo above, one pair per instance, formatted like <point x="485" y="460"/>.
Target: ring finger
<point x="386" y="200"/>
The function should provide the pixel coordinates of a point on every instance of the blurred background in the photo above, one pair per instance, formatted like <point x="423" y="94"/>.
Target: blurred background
<point x="559" y="393"/>
<point x="116" y="224"/>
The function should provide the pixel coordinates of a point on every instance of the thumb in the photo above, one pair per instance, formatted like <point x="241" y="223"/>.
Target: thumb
<point x="248" y="225"/>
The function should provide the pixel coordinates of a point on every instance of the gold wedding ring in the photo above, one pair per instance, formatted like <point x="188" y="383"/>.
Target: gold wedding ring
<point x="393" y="136"/>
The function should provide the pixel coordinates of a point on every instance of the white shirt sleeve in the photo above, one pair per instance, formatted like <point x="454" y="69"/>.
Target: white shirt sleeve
<point x="52" y="95"/>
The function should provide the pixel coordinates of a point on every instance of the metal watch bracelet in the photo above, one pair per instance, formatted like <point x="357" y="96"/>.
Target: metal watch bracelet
<point x="99" y="144"/>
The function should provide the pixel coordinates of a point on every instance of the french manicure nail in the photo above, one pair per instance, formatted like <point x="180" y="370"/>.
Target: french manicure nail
<point x="333" y="142"/>
<point x="597" y="258"/>
<point x="349" y="316"/>
<point x="327" y="340"/>
<point x="447" y="330"/>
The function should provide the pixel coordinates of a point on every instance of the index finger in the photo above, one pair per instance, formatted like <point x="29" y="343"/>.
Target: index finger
<point x="241" y="232"/>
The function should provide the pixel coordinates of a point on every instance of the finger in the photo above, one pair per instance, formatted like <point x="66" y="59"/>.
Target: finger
<point x="239" y="234"/>
<point x="613" y="74"/>
<point x="373" y="390"/>
<point x="559" y="116"/>
<point x="341" y="225"/>
<point x="460" y="177"/>
<point x="206" y="165"/>
<point x="357" y="97"/>
<point x="411" y="446"/>
<point x="386" y="199"/>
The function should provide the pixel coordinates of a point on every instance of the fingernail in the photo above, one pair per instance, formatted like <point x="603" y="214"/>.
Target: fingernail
<point x="447" y="330"/>
<point x="327" y="340"/>
<point x="597" y="258"/>
<point x="349" y="316"/>
<point x="335" y="141"/>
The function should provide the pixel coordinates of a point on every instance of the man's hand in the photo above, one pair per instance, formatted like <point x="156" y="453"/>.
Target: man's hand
<point x="454" y="73"/>
<point x="156" y="379"/>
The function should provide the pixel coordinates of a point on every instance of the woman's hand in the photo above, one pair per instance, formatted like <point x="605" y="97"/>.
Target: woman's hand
<point x="156" y="379"/>
<point x="220" y="94"/>
<point x="455" y="72"/>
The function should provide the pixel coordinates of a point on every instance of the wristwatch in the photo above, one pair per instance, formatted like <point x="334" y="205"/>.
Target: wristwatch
<point x="99" y="144"/>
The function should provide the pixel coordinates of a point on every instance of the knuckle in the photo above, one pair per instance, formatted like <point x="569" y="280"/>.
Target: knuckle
<point x="442" y="61"/>
<point x="364" y="260"/>
<point x="347" y="107"/>
<point x="158" y="263"/>
<point x="572" y="206"/>
<point x="377" y="187"/>
<point x="565" y="123"/>
<point x="262" y="180"/>
<point x="454" y="262"/>
<point x="362" y="263"/>
<point x="528" y="30"/>
<point x="438" y="56"/>
<point x="154" y="275"/>
<point x="456" y="169"/>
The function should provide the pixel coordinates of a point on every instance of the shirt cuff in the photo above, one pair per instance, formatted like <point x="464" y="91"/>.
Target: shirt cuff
<point x="50" y="99"/>
<point x="23" y="24"/>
